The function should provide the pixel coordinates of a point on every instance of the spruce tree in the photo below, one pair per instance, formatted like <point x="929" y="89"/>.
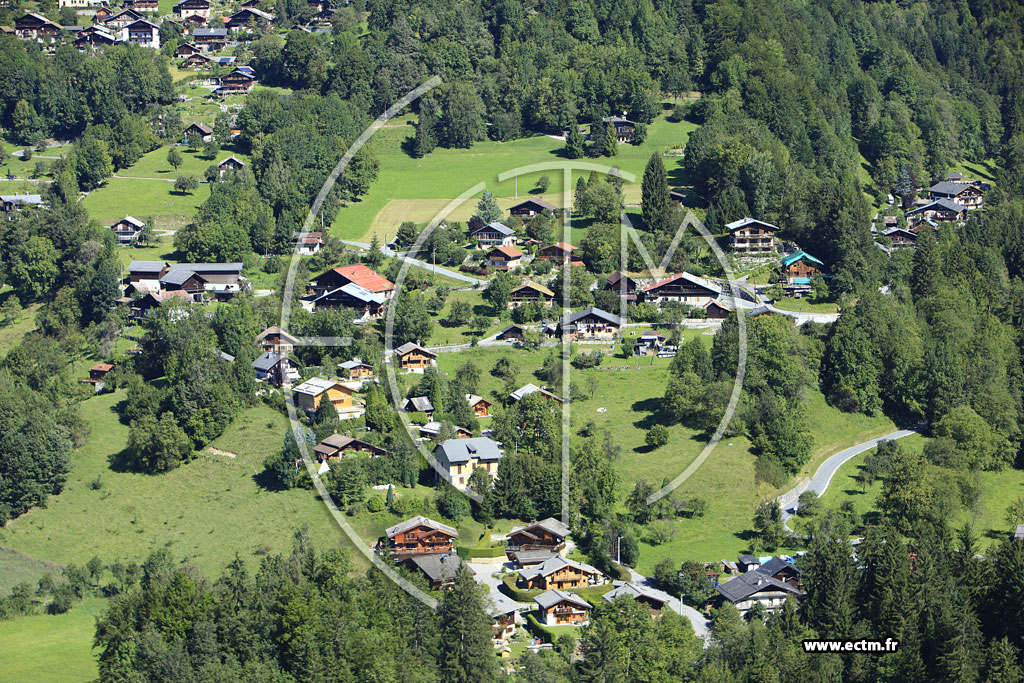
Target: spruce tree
<point x="1001" y="663"/>
<point x="574" y="142"/>
<point x="654" y="196"/>
<point x="487" y="208"/>
<point x="611" y="143"/>
<point x="581" y="203"/>
<point x="927" y="267"/>
<point x="467" y="655"/>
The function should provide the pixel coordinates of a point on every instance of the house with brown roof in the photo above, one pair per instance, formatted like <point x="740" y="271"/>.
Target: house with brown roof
<point x="503" y="258"/>
<point x="307" y="243"/>
<point x="559" y="608"/>
<point x="622" y="284"/>
<point x="336" y="445"/>
<point x="198" y="128"/>
<point x="590" y="323"/>
<point x="248" y="16"/>
<point x="414" y="358"/>
<point x="531" y="207"/>
<point x="560" y="252"/>
<point x="531" y="292"/>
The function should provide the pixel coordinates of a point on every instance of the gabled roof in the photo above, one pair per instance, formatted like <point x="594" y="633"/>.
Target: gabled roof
<point x="231" y="158"/>
<point x="318" y="385"/>
<point x="146" y="266"/>
<point x="131" y="220"/>
<point x="527" y="389"/>
<point x="274" y="329"/>
<point x="507" y="252"/>
<point x="337" y="442"/>
<point x="775" y="565"/>
<point x="536" y="202"/>
<point x="509" y="329"/>
<point x="555" y="564"/>
<point x="258" y="12"/>
<point x="420" y="404"/>
<point x="564" y="246"/>
<point x="550" y="524"/>
<point x="799" y="255"/>
<point x="419" y="520"/>
<point x="364" y="277"/>
<point x="950" y="188"/>
<point x="549" y="599"/>
<point x="498" y="604"/>
<point x="268" y="360"/>
<point x="409" y="346"/>
<point x="356" y="292"/>
<point x="634" y="591"/>
<point x="473" y="400"/>
<point x="22" y="198"/>
<point x="692" y="279"/>
<point x="535" y="287"/>
<point x="438" y="566"/>
<point x="500" y="228"/>
<point x="115" y="17"/>
<point x="354" y="363"/>
<point x="151" y="25"/>
<point x="247" y="70"/>
<point x="596" y="312"/>
<point x="746" y="585"/>
<point x="616" y="277"/>
<point x="939" y="204"/>
<point x="463" y="450"/>
<point x="210" y="33"/>
<point x="178" y="276"/>
<point x="744" y="222"/>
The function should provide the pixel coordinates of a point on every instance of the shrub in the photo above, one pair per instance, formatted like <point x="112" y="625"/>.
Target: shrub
<point x="657" y="436"/>
<point x="375" y="503"/>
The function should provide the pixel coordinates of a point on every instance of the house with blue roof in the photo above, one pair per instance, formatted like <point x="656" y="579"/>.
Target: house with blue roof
<point x="799" y="267"/>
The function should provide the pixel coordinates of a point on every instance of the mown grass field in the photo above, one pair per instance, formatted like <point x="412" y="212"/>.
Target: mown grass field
<point x="48" y="648"/>
<point x="999" y="489"/>
<point x="446" y="173"/>
<point x="203" y="512"/>
<point x="17" y="567"/>
<point x="804" y="306"/>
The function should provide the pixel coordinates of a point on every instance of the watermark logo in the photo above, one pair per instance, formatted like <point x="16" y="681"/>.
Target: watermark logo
<point x="627" y="232"/>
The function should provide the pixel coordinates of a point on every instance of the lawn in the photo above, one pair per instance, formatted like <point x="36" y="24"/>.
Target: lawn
<point x="804" y="306"/>
<point x="120" y="197"/>
<point x="25" y="322"/>
<point x="17" y="567"/>
<point x="999" y="489"/>
<point x="204" y="512"/>
<point x="51" y="648"/>
<point x="445" y="173"/>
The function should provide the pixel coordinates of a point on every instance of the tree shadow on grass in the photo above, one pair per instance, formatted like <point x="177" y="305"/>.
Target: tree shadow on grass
<point x="652" y="409"/>
<point x="266" y="481"/>
<point x="121" y="462"/>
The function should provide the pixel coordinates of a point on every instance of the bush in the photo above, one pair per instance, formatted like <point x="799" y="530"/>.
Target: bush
<point x="659" y="532"/>
<point x="402" y="506"/>
<point x="657" y="436"/>
<point x="375" y="503"/>
<point x="97" y="483"/>
<point x="272" y="265"/>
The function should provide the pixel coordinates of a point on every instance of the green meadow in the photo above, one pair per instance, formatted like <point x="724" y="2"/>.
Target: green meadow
<point x="56" y="649"/>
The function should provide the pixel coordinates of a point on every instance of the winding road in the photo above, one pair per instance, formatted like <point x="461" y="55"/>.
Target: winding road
<point x="455" y="275"/>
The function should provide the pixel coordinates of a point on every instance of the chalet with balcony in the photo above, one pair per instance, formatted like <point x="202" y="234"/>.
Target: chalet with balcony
<point x="531" y="207"/>
<point x="504" y="613"/>
<point x="459" y="458"/>
<point x="560" y="573"/>
<point x="127" y="230"/>
<point x="275" y="369"/>
<point x="368" y="304"/>
<point x="511" y="333"/>
<point x="311" y="393"/>
<point x="939" y="210"/>
<point x="548" y="535"/>
<point x="756" y="587"/>
<point x="901" y="237"/>
<point x="414" y="358"/>
<point x="34" y="26"/>
<point x="357" y="274"/>
<point x="118" y="21"/>
<point x="624" y="128"/>
<point x="307" y="243"/>
<point x="493" y="235"/>
<point x="684" y="288"/>
<point x="193" y="8"/>
<point x="420" y="536"/>
<point x="966" y="194"/>
<point x="240" y="80"/>
<point x="94" y="36"/>
<point x="196" y="60"/>
<point x="439" y="569"/>
<point x="277" y="340"/>
<point x="355" y="369"/>
<point x="230" y="165"/>
<point x="503" y="258"/>
<point x="559" y="252"/>
<point x="591" y="323"/>
<point x="751" y="236"/>
<point x="142" y="33"/>
<point x="210" y="39"/>
<point x="652" y="598"/>
<point x="531" y="293"/>
<point x="248" y="16"/>
<point x="558" y="608"/>
<point x="480" y="406"/>
<point x="799" y="267"/>
<point x="143" y="5"/>
<point x="336" y="445"/>
<point x="195" y="128"/>
<point x="622" y="284"/>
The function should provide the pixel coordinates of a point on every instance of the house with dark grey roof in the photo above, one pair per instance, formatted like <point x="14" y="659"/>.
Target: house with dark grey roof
<point x="548" y="535"/>
<point x="591" y="323"/>
<point x="939" y="210"/>
<point x="414" y="358"/>
<point x="420" y="535"/>
<point x="419" y="404"/>
<point x="531" y="292"/>
<point x="493" y="235"/>
<point x="559" y="608"/>
<point x="127" y="230"/>
<point x="460" y="457"/>
<point x="531" y="207"/>
<point x="757" y="587"/>
<point x="560" y="573"/>
<point x="504" y="611"/>
<point x="14" y="202"/>
<point x="685" y="288"/>
<point x="438" y="568"/>
<point x="336" y="445"/>
<point x="654" y="599"/>
<point x="275" y="369"/>
<point x="963" y="193"/>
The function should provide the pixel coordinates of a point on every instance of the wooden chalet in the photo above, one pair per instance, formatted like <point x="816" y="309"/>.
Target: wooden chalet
<point x="503" y="258"/>
<point x="503" y="611"/>
<point x="621" y="283"/>
<point x="966" y="194"/>
<point x="418" y="404"/>
<point x="127" y="230"/>
<point x="194" y="21"/>
<point x="511" y="333"/>
<point x="530" y="388"/>
<point x="677" y="197"/>
<point x="311" y="393"/>
<point x="307" y="243"/>
<point x="357" y="274"/>
<point x="277" y="340"/>
<point x="799" y="267"/>
<point x="531" y="292"/>
<point x="211" y="39"/>
<point x="248" y="16"/>
<point x="351" y="296"/>
<point x="548" y="535"/>
<point x="197" y="128"/>
<point x="229" y="165"/>
<point x="480" y="406"/>
<point x="560" y="252"/>
<point x="336" y="445"/>
<point x="439" y="569"/>
<point x="432" y="431"/>
<point x="420" y="536"/>
<point x="118" y="21"/>
<point x="591" y="323"/>
<point x="901" y="237"/>
<point x="34" y="26"/>
<point x="355" y="369"/>
<point x="684" y="288"/>
<point x="196" y="60"/>
<point x="624" y="128"/>
<point x="493" y="235"/>
<point x="530" y="208"/>
<point x="184" y="50"/>
<point x="939" y="210"/>
<point x="193" y="8"/>
<point x="143" y="33"/>
<point x="756" y="587"/>
<point x="558" y="608"/>
<point x="751" y="236"/>
<point x="718" y="309"/>
<point x="94" y="36"/>
<point x="652" y="598"/>
<point x="241" y="79"/>
<point x="414" y="357"/>
<point x="560" y="573"/>
<point x="9" y="203"/>
<point x="143" y="5"/>
<point x="99" y="371"/>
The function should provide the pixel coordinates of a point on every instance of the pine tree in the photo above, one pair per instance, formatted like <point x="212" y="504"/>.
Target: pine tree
<point x="581" y="202"/>
<point x="574" y="142"/>
<point x="487" y="208"/>
<point x="467" y="655"/>
<point x="654" y="196"/>
<point x="927" y="267"/>
<point x="374" y="256"/>
<point x="391" y="496"/>
<point x="1001" y="663"/>
<point x="611" y="143"/>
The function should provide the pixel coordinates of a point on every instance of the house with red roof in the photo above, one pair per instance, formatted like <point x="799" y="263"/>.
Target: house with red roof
<point x="357" y="274"/>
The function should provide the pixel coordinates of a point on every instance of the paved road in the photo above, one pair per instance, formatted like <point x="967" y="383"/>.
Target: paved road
<point x="823" y="476"/>
<point x="700" y="624"/>
<point x="455" y="275"/>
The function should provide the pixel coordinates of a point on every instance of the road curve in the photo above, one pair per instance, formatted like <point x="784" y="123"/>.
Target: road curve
<point x="821" y="479"/>
<point x="455" y="275"/>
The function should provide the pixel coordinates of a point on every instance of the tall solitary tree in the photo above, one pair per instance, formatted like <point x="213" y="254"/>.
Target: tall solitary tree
<point x="574" y="142"/>
<point x="487" y="208"/>
<point x="467" y="655"/>
<point x="654" y="195"/>
<point x="174" y="158"/>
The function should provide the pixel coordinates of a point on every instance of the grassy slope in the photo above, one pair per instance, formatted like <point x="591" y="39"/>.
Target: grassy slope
<point x="204" y="512"/>
<point x="446" y="173"/>
<point x="51" y="648"/>
<point x="17" y="567"/>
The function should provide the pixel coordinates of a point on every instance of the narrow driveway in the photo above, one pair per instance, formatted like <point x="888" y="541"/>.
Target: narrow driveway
<point x="455" y="275"/>
<point x="697" y="620"/>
